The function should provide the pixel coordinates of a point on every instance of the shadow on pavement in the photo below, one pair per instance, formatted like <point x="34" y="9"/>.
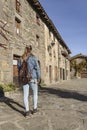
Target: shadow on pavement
<point x="64" y="93"/>
<point x="13" y="104"/>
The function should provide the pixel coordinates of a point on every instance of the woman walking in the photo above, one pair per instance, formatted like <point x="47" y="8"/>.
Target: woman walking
<point x="34" y="78"/>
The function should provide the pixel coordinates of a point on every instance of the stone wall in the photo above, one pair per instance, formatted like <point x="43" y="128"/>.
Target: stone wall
<point x="31" y="33"/>
<point x="16" y="43"/>
<point x="64" y="63"/>
<point x="6" y="75"/>
<point x="51" y="52"/>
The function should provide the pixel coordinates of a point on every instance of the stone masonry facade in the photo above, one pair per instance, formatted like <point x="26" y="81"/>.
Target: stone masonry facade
<point x="23" y="23"/>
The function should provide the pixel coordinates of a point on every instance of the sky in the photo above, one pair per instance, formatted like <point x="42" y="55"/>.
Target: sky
<point x="70" y="19"/>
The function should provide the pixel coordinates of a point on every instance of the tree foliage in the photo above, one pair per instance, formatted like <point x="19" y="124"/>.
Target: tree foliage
<point x="79" y="67"/>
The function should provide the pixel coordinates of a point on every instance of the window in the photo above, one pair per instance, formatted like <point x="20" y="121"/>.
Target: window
<point x="49" y="33"/>
<point x="53" y="38"/>
<point x="37" y="40"/>
<point x="54" y="54"/>
<point x="18" y="5"/>
<point x="17" y="25"/>
<point x="37" y="19"/>
<point x="61" y="73"/>
<point x="46" y="69"/>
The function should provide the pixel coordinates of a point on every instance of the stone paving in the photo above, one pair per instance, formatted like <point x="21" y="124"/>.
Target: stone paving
<point x="62" y="106"/>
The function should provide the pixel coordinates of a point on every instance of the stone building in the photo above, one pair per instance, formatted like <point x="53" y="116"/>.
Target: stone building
<point x="25" y="22"/>
<point x="79" y="66"/>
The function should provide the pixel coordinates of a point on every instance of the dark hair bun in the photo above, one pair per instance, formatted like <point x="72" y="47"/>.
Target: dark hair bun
<point x="30" y="47"/>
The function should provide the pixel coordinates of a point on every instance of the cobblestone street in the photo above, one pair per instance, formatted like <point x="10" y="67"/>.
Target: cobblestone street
<point x="62" y="106"/>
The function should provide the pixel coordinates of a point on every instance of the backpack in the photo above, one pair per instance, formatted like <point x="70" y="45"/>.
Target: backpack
<point x="24" y="75"/>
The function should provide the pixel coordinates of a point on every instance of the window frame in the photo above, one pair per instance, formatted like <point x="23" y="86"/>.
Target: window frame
<point x="37" y="19"/>
<point x="18" y="26"/>
<point x="18" y="5"/>
<point x="37" y="40"/>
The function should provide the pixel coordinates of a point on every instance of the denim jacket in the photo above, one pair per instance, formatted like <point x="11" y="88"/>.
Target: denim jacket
<point x="33" y="67"/>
